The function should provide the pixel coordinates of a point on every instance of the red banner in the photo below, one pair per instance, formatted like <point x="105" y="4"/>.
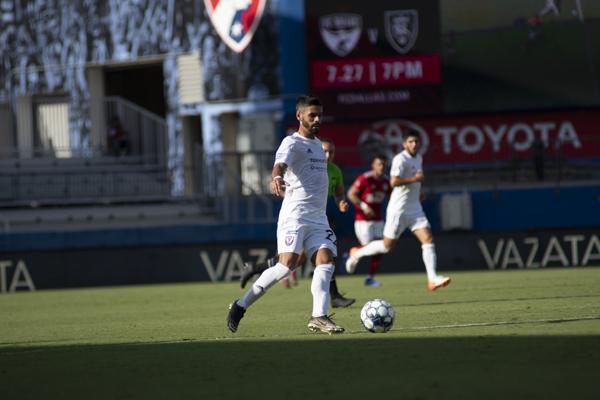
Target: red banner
<point x="475" y="139"/>
<point x="375" y="59"/>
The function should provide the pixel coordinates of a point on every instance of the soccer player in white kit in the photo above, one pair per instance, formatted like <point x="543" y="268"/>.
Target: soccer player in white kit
<point x="404" y="210"/>
<point x="300" y="176"/>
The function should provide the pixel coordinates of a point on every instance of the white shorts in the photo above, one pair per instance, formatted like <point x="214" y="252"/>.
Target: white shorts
<point x="367" y="231"/>
<point x="396" y="222"/>
<point x="310" y="238"/>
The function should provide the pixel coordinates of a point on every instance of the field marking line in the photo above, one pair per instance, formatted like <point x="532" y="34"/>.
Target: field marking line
<point x="501" y="300"/>
<point x="498" y="323"/>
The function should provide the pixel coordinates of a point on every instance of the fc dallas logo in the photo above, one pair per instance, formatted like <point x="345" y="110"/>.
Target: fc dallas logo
<point x="235" y="20"/>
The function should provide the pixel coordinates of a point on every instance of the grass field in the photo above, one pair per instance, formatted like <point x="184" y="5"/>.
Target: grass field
<point x="531" y="334"/>
<point x="495" y="61"/>
<point x="476" y="14"/>
<point x="499" y="69"/>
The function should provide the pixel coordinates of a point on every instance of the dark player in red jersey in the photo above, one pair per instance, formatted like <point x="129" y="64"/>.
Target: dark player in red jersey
<point x="368" y="193"/>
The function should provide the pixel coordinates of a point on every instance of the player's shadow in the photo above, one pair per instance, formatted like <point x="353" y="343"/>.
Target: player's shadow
<point x="344" y="367"/>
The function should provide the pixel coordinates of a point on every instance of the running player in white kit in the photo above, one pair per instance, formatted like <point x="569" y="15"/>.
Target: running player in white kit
<point x="404" y="210"/>
<point x="300" y="176"/>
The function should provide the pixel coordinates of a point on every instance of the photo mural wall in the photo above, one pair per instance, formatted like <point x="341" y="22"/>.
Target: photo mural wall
<point x="47" y="43"/>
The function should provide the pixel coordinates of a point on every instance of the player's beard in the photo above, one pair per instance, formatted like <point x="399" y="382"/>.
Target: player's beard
<point x="314" y="128"/>
<point x="412" y="151"/>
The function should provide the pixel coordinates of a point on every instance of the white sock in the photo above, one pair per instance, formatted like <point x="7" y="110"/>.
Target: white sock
<point x="430" y="260"/>
<point x="320" y="289"/>
<point x="267" y="279"/>
<point x="373" y="248"/>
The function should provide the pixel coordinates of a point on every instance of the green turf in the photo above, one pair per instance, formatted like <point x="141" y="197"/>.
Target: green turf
<point x="476" y="14"/>
<point x="500" y="69"/>
<point x="490" y="334"/>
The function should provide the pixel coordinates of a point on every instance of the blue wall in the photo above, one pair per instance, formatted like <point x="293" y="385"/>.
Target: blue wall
<point x="505" y="210"/>
<point x="292" y="55"/>
<point x="517" y="209"/>
<point x="531" y="208"/>
<point x="136" y="237"/>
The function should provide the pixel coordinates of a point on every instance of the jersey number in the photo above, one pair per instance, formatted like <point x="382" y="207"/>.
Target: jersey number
<point x="330" y="235"/>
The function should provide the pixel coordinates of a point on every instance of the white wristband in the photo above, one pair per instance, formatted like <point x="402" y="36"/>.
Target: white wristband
<point x="277" y="177"/>
<point x="364" y="206"/>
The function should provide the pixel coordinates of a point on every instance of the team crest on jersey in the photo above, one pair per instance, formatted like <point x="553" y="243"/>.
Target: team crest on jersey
<point x="340" y="32"/>
<point x="235" y="20"/>
<point x="402" y="29"/>
<point x="289" y="239"/>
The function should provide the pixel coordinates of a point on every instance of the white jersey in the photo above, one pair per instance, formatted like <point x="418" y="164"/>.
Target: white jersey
<point x="406" y="198"/>
<point x="305" y="198"/>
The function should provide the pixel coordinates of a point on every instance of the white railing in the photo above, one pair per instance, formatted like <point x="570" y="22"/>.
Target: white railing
<point x="145" y="131"/>
<point x="236" y="184"/>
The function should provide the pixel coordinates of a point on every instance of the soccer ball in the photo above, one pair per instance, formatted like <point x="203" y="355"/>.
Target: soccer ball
<point x="377" y="316"/>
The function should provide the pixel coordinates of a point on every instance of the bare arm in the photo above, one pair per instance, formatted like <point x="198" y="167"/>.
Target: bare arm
<point x="338" y="195"/>
<point x="353" y="195"/>
<point x="277" y="184"/>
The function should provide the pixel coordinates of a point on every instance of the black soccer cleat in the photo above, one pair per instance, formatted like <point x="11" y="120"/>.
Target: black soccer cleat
<point x="251" y="269"/>
<point x="247" y="273"/>
<point x="236" y="313"/>
<point x="340" y="301"/>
